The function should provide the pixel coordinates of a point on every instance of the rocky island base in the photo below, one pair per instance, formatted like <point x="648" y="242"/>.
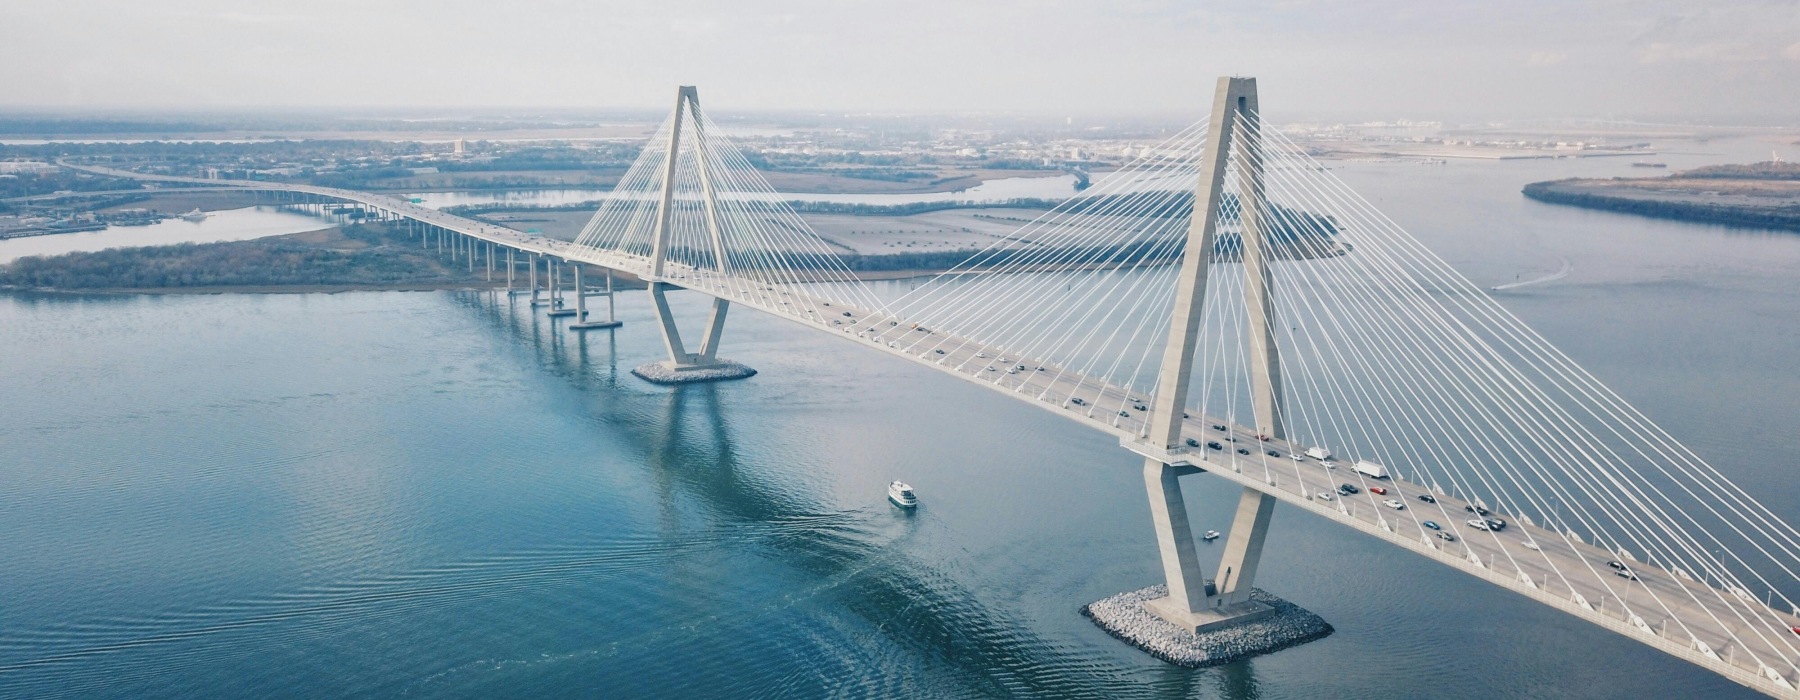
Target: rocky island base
<point x="1124" y="617"/>
<point x="662" y="373"/>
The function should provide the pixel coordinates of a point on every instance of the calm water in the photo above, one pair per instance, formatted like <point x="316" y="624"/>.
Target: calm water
<point x="443" y="495"/>
<point x="226" y="225"/>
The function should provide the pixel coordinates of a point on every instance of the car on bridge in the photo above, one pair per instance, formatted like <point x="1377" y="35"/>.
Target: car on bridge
<point x="1496" y="524"/>
<point x="1432" y="525"/>
<point x="1616" y="565"/>
<point x="1348" y="489"/>
<point x="1396" y="505"/>
<point x="1326" y="495"/>
<point x="1478" y="510"/>
<point x="1077" y="401"/>
<point x="1192" y="442"/>
<point x="1242" y="451"/>
<point x="1272" y="453"/>
<point x="1480" y="524"/>
<point x="1215" y="445"/>
<point x="1428" y="498"/>
<point x="1378" y="490"/>
<point x="1447" y="537"/>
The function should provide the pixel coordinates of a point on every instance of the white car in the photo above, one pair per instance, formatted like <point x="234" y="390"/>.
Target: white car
<point x="1479" y="524"/>
<point x="1327" y="496"/>
<point x="1533" y="546"/>
<point x="1396" y="505"/>
<point x="1328" y="464"/>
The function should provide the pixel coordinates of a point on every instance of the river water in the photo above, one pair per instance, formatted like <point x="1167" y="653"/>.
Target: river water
<point x="444" y="495"/>
<point x="224" y="225"/>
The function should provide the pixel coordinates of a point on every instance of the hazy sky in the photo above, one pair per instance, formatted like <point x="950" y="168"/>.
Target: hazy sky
<point x="1382" y="58"/>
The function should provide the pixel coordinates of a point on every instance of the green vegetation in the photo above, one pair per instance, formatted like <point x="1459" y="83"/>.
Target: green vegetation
<point x="359" y="255"/>
<point x="1731" y="214"/>
<point x="59" y="180"/>
<point x="1768" y="170"/>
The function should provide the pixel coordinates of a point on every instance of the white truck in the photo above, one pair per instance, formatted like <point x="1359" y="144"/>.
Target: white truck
<point x="1371" y="469"/>
<point x="1318" y="453"/>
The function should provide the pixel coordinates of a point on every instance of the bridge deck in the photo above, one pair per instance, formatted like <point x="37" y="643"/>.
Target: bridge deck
<point x="1694" y="620"/>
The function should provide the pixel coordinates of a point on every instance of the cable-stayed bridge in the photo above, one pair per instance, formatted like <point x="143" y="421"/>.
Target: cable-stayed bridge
<point x="1225" y="305"/>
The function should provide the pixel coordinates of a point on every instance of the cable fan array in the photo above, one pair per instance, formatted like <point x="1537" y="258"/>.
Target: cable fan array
<point x="729" y="233"/>
<point x="1387" y="354"/>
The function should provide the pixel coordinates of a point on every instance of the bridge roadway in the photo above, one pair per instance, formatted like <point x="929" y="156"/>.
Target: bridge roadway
<point x="1708" y="616"/>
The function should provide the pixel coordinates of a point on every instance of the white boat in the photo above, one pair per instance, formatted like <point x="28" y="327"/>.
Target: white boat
<point x="902" y="495"/>
<point x="1210" y="535"/>
<point x="195" y="215"/>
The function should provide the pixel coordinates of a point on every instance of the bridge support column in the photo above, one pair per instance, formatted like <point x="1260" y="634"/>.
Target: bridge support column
<point x="535" y="301"/>
<point x="1198" y="613"/>
<point x="682" y="366"/>
<point x="1243" y="548"/>
<point x="557" y="307"/>
<point x="581" y="314"/>
<point x="1189" y="591"/>
<point x="511" y="267"/>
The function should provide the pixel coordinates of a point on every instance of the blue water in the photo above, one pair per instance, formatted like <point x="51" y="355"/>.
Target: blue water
<point x="445" y="495"/>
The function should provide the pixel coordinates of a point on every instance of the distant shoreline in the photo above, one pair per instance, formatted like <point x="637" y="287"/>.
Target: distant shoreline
<point x="1738" y="203"/>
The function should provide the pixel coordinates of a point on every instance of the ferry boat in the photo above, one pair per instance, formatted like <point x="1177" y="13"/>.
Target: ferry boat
<point x="902" y="495"/>
<point x="1210" y="535"/>
<point x="195" y="215"/>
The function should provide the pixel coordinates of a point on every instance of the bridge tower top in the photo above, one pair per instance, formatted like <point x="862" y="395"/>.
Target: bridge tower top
<point x="1233" y="137"/>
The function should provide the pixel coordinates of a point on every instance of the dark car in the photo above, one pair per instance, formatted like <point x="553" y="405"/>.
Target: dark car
<point x="1218" y="427"/>
<point x="1616" y="565"/>
<point x="1478" y="510"/>
<point x="939" y="351"/>
<point x="1137" y="407"/>
<point x="1273" y="453"/>
<point x="1432" y="525"/>
<point x="1077" y="401"/>
<point x="1426" y="497"/>
<point x="1626" y="574"/>
<point x="1193" y="443"/>
<point x="1215" y="445"/>
<point x="1447" y="537"/>
<point x="1348" y="489"/>
<point x="1126" y="414"/>
<point x="1242" y="451"/>
<point x="1496" y="524"/>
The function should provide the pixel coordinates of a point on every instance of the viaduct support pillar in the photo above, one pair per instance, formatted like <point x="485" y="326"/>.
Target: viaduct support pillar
<point x="581" y="313"/>
<point x="557" y="307"/>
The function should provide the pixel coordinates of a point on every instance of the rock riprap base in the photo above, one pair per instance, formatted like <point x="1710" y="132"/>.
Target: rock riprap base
<point x="659" y="373"/>
<point x="1125" y="617"/>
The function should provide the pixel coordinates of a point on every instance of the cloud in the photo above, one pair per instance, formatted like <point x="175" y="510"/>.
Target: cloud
<point x="1546" y="58"/>
<point x="1707" y="52"/>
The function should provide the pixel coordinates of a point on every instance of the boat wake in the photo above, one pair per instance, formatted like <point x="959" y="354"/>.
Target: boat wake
<point x="1567" y="268"/>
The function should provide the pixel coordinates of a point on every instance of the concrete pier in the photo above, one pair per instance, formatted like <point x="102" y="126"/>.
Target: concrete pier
<point x="581" y="313"/>
<point x="557" y="307"/>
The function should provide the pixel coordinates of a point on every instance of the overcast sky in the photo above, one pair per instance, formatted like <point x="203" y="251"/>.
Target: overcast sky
<point x="1381" y="58"/>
